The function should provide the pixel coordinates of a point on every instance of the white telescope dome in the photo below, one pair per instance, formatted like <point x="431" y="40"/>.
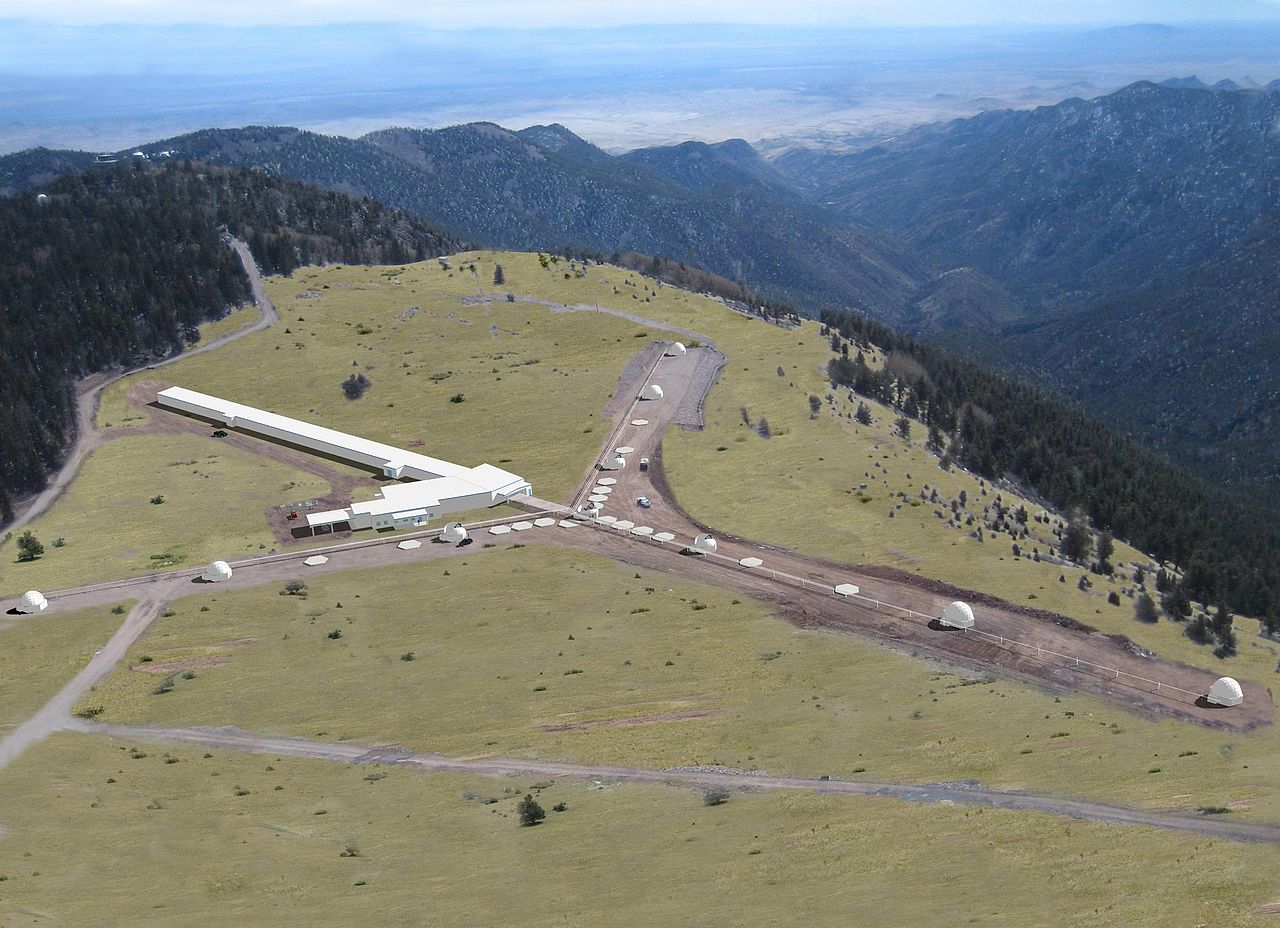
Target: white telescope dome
<point x="217" y="571"/>
<point x="652" y="392"/>
<point x="958" y="615"/>
<point x="454" y="532"/>
<point x="1226" y="691"/>
<point x="33" y="601"/>
<point x="675" y="350"/>
<point x="705" y="543"/>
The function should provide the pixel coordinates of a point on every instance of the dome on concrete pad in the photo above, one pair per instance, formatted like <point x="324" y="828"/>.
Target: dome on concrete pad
<point x="1226" y="691"/>
<point x="675" y="350"/>
<point x="217" y="571"/>
<point x="957" y="615"/>
<point x="454" y="532"/>
<point x="705" y="543"/>
<point x="613" y="462"/>
<point x="652" y="392"/>
<point x="33" y="601"/>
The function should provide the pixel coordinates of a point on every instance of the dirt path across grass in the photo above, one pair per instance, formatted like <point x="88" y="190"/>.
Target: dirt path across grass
<point x="89" y="392"/>
<point x="55" y="715"/>
<point x="961" y="793"/>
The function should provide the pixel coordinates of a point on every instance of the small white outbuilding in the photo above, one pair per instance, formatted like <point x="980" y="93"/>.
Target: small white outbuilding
<point x="454" y="533"/>
<point x="676" y="350"/>
<point x="1226" y="691"/>
<point x="957" y="615"/>
<point x="217" y="572"/>
<point x="614" y="461"/>
<point x="32" y="601"/>
<point x="651" y="392"/>
<point x="705" y="543"/>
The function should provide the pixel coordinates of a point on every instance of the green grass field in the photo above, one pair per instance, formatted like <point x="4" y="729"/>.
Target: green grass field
<point x="102" y="832"/>
<point x="548" y="653"/>
<point x="215" y="498"/>
<point x="39" y="654"/>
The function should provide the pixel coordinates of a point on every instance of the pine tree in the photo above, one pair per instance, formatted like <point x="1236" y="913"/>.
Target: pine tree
<point x="863" y="414"/>
<point x="29" y="547"/>
<point x="1144" y="610"/>
<point x="499" y="278"/>
<point x="1077" y="541"/>
<point x="530" y="812"/>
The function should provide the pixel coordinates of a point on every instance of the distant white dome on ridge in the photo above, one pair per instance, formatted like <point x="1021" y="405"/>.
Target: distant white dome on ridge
<point x="33" y="601"/>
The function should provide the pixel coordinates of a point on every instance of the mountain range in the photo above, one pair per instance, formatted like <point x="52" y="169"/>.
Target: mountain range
<point x="1118" y="249"/>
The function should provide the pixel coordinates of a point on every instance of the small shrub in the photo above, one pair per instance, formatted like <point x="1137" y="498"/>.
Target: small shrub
<point x="335" y="634"/>
<point x="157" y="500"/>
<point x="294" y="588"/>
<point x="117" y="610"/>
<point x="716" y="796"/>
<point x="350" y="851"/>
<point x="355" y="386"/>
<point x="407" y="656"/>
<point x="560" y="807"/>
<point x="530" y="812"/>
<point x="457" y="398"/>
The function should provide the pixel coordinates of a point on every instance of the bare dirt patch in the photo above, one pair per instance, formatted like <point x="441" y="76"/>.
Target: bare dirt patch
<point x="653" y="718"/>
<point x="176" y="666"/>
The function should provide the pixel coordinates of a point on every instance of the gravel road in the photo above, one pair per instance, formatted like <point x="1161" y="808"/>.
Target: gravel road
<point x="963" y="793"/>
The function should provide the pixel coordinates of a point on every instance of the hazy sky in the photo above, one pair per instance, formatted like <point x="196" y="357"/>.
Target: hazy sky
<point x="541" y="13"/>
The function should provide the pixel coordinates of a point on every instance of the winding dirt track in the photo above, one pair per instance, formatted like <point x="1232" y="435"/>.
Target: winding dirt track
<point x="962" y="793"/>
<point x="89" y="392"/>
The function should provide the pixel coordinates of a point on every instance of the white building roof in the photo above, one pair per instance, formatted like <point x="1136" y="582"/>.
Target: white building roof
<point x="432" y="480"/>
<point x="360" y="449"/>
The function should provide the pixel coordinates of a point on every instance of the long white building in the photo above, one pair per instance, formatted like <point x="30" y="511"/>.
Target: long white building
<point x="434" y="487"/>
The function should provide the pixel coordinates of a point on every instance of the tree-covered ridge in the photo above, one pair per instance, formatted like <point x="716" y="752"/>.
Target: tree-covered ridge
<point x="119" y="265"/>
<point x="1229" y="550"/>
<point x="544" y="188"/>
<point x="1187" y="366"/>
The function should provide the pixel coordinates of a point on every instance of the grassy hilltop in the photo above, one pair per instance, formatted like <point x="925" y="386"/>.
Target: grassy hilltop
<point x="594" y="662"/>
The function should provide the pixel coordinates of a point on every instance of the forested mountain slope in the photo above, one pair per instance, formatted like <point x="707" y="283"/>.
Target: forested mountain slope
<point x="1068" y="204"/>
<point x="1189" y="366"/>
<point x="1229" y="548"/>
<point x="121" y="264"/>
<point x="544" y="188"/>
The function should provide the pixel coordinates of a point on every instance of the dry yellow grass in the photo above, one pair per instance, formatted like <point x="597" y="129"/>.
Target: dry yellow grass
<point x="549" y="653"/>
<point x="97" y="836"/>
<point x="215" y="498"/>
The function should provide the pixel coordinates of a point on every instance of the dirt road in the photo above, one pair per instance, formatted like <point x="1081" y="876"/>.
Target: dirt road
<point x="89" y="392"/>
<point x="963" y="793"/>
<point x="56" y="713"/>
